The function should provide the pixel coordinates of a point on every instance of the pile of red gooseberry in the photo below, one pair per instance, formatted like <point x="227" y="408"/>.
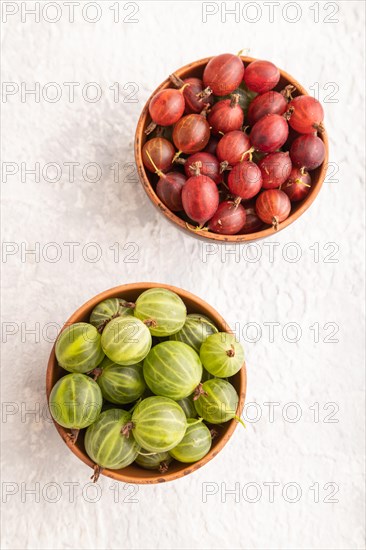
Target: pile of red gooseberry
<point x="229" y="152"/>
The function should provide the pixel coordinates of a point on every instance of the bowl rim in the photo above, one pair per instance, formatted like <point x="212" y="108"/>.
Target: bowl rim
<point x="186" y="468"/>
<point x="210" y="236"/>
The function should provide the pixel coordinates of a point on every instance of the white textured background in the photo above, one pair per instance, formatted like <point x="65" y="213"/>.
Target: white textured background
<point x="37" y="291"/>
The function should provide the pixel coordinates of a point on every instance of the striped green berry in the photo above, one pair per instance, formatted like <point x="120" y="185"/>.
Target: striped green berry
<point x="195" y="331"/>
<point x="105" y="443"/>
<point x="153" y="461"/>
<point x="108" y="309"/>
<point x="75" y="401"/>
<point x="78" y="348"/>
<point x="216" y="401"/>
<point x="222" y="355"/>
<point x="188" y="407"/>
<point x="121" y="384"/>
<point x="126" y="340"/>
<point x="158" y="424"/>
<point x="195" y="444"/>
<point x="172" y="369"/>
<point x="162" y="310"/>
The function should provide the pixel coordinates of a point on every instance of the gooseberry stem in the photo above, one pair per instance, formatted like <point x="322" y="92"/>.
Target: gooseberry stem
<point x="234" y="100"/>
<point x="163" y="467"/>
<point x="205" y="110"/>
<point x="150" y="323"/>
<point x="176" y="156"/>
<point x="102" y="326"/>
<point x="176" y="81"/>
<point x="73" y="435"/>
<point x="199" y="391"/>
<point x="275" y="222"/>
<point x="96" y="373"/>
<point x="319" y="127"/>
<point x="127" y="429"/>
<point x="204" y="94"/>
<point x="157" y="171"/>
<point x="287" y="115"/>
<point x="150" y="128"/>
<point x="196" y="168"/>
<point x="231" y="352"/>
<point x="181" y="161"/>
<point x="288" y="91"/>
<point x="238" y="419"/>
<point x="130" y="305"/>
<point x="224" y="165"/>
<point x="184" y="86"/>
<point x="249" y="152"/>
<point x="197" y="228"/>
<point x="244" y="50"/>
<point x="97" y="471"/>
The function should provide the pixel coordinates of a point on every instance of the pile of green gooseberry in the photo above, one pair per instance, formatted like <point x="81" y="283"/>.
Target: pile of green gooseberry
<point x="148" y="382"/>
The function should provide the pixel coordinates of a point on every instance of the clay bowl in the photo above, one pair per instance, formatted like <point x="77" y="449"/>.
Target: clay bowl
<point x="133" y="473"/>
<point x="149" y="180"/>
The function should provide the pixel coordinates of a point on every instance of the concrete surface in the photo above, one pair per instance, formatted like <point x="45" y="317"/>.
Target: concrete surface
<point x="322" y="373"/>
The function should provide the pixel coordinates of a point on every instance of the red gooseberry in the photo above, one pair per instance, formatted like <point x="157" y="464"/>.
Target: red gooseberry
<point x="265" y="104"/>
<point x="261" y="76"/>
<point x="269" y="133"/>
<point x="161" y="151"/>
<point x="167" y="106"/>
<point x="169" y="187"/>
<point x="245" y="180"/>
<point x="223" y="73"/>
<point x="298" y="185"/>
<point x="191" y="134"/>
<point x="273" y="206"/>
<point x="252" y="222"/>
<point x="228" y="219"/>
<point x="231" y="148"/>
<point x="205" y="164"/>
<point x="212" y="144"/>
<point x="306" y="114"/>
<point x="200" y="198"/>
<point x="169" y="190"/>
<point x="307" y="151"/>
<point x="226" y="115"/>
<point x="275" y="169"/>
<point x="196" y="97"/>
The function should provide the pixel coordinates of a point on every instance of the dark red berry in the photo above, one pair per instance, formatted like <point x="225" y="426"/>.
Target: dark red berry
<point x="245" y="180"/>
<point x="307" y="151"/>
<point x="169" y="190"/>
<point x="275" y="169"/>
<point x="228" y="219"/>
<point x="269" y="103"/>
<point x="226" y="116"/>
<point x="273" y="207"/>
<point x="160" y="151"/>
<point x="298" y="186"/>
<point x="269" y="133"/>
<point x="191" y="133"/>
<point x="200" y="198"/>
<point x="223" y="73"/>
<point x="204" y="164"/>
<point x="306" y="114"/>
<point x="261" y="76"/>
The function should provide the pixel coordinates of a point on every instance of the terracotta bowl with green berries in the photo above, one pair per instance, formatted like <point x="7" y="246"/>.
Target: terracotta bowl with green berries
<point x="146" y="383"/>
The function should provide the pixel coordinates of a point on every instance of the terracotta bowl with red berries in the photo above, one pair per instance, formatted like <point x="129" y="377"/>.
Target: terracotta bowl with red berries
<point x="231" y="148"/>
